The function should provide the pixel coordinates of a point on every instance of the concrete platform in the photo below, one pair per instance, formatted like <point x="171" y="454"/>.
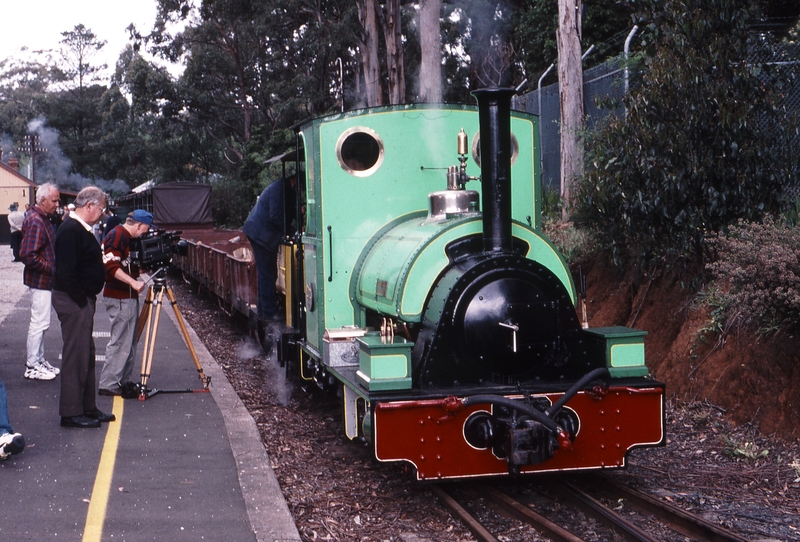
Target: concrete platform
<point x="177" y="467"/>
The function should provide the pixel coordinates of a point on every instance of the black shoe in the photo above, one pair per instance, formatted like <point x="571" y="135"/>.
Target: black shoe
<point x="79" y="421"/>
<point x="99" y="415"/>
<point x="131" y="390"/>
<point x="112" y="392"/>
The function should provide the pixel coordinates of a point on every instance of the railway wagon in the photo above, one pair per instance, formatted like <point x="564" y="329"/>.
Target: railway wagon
<point x="419" y="285"/>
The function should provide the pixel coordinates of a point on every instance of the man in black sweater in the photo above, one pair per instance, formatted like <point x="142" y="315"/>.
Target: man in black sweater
<point x="80" y="276"/>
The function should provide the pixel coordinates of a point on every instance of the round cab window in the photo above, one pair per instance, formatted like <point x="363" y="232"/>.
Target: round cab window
<point x="360" y="151"/>
<point x="476" y="148"/>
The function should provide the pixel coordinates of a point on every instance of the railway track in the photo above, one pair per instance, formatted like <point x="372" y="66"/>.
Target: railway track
<point x="627" y="513"/>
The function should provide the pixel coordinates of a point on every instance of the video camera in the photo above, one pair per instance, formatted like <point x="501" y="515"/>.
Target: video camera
<point x="154" y="249"/>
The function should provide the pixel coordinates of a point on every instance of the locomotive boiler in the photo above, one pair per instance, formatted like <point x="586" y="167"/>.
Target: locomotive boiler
<point x="420" y="286"/>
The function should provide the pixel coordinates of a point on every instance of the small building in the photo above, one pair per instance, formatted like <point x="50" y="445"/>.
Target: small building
<point x="14" y="188"/>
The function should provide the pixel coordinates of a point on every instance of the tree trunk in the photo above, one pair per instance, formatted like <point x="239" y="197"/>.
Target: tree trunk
<point x="430" y="38"/>
<point x="367" y="15"/>
<point x="570" y="91"/>
<point x="393" y="36"/>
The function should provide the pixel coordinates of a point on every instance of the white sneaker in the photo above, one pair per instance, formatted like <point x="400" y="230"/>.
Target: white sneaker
<point x="11" y="444"/>
<point x="39" y="373"/>
<point x="50" y="368"/>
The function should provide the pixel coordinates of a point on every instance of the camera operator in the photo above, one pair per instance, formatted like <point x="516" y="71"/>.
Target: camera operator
<point x="121" y="297"/>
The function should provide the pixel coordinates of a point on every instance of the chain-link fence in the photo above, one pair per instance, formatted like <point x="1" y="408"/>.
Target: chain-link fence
<point x="606" y="85"/>
<point x="603" y="84"/>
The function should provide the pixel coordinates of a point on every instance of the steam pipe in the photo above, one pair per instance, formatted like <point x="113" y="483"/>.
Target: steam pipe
<point x="600" y="372"/>
<point x="525" y="408"/>
<point x="494" y="113"/>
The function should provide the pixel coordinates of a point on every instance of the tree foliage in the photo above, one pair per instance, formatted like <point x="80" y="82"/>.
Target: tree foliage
<point x="79" y="46"/>
<point x="254" y="68"/>
<point x="701" y="145"/>
<point x="23" y="86"/>
<point x="73" y="108"/>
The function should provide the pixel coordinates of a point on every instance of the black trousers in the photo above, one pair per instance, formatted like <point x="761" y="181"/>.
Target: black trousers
<point x="78" y="380"/>
<point x="16" y="241"/>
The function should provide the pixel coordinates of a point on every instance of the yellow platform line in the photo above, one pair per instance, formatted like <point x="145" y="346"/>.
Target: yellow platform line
<point x="96" y="515"/>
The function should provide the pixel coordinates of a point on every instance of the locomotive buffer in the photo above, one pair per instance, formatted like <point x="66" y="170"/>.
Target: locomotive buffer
<point x="147" y="321"/>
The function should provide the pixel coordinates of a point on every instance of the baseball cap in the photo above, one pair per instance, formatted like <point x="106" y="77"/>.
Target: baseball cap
<point x="142" y="216"/>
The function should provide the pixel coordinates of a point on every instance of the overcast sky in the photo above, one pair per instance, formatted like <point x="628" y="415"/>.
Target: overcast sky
<point x="38" y="24"/>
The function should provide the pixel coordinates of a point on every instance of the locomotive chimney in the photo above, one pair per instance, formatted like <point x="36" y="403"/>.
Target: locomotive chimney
<point x="494" y="113"/>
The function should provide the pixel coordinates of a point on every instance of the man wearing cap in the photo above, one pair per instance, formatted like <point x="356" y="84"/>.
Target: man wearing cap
<point x="121" y="296"/>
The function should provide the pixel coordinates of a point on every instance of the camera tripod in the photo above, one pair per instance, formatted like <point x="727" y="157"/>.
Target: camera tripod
<point x="149" y="322"/>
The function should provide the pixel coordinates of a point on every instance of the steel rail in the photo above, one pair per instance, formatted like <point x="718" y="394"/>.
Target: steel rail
<point x="524" y="513"/>
<point x="680" y="520"/>
<point x="595" y="508"/>
<point x="476" y="528"/>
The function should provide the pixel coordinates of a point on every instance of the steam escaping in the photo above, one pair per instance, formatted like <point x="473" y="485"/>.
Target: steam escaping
<point x="248" y="349"/>
<point x="55" y="167"/>
<point x="275" y="378"/>
<point x="277" y="381"/>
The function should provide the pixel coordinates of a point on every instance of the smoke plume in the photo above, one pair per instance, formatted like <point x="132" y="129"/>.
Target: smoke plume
<point x="55" y="167"/>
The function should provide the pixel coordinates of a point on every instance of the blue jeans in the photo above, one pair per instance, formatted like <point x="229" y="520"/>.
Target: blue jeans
<point x="5" y="425"/>
<point x="267" y="269"/>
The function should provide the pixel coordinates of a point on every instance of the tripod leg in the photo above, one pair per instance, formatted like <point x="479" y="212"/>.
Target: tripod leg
<point x="203" y="378"/>
<point x="151" y="343"/>
<point x="145" y="319"/>
<point x="144" y="314"/>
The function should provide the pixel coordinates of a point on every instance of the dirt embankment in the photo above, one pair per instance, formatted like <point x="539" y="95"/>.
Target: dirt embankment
<point x="755" y="378"/>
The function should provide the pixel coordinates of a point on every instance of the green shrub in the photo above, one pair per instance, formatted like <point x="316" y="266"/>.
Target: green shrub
<point x="574" y="242"/>
<point x="758" y="273"/>
<point x="698" y="148"/>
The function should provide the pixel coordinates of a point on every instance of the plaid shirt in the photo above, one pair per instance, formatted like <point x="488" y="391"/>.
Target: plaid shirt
<point x="116" y="255"/>
<point x="37" y="250"/>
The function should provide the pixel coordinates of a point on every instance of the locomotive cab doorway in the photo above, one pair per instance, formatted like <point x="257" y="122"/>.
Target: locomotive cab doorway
<point x="290" y="253"/>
